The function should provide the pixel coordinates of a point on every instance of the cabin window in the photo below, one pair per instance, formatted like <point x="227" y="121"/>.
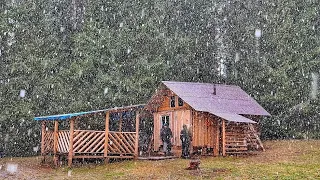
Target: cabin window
<point x="165" y="120"/>
<point x="180" y="102"/>
<point x="173" y="101"/>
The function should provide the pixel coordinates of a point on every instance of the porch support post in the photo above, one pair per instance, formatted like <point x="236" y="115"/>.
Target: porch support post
<point x="120" y="122"/>
<point x="216" y="148"/>
<point x="43" y="131"/>
<point x="70" y="155"/>
<point x="223" y="137"/>
<point x="55" y="142"/>
<point x="136" y="145"/>
<point x="106" y="138"/>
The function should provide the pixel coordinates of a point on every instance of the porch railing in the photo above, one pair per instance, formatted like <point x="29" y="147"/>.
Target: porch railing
<point x="121" y="143"/>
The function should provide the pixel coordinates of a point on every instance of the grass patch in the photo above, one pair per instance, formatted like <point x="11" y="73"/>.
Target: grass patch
<point x="282" y="160"/>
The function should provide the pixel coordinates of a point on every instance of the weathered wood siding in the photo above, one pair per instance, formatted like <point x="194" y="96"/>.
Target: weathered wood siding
<point x="165" y="105"/>
<point x="177" y="119"/>
<point x="205" y="131"/>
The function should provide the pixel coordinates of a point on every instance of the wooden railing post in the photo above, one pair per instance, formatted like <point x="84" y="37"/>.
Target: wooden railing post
<point x="120" y="122"/>
<point x="106" y="137"/>
<point x="55" y="142"/>
<point x="136" y="145"/>
<point x="43" y="131"/>
<point x="70" y="154"/>
<point x="223" y="137"/>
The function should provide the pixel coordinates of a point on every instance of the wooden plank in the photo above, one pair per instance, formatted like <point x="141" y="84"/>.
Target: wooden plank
<point x="43" y="131"/>
<point x="55" y="143"/>
<point x="223" y="138"/>
<point x="120" y="123"/>
<point x="77" y="135"/>
<point x="236" y="149"/>
<point x="99" y="145"/>
<point x="128" y="143"/>
<point x="98" y="142"/>
<point x="106" y="139"/>
<point x="130" y="140"/>
<point x="59" y="143"/>
<point x="80" y="140"/>
<point x="256" y="136"/>
<point x="84" y="157"/>
<point x="77" y="131"/>
<point x="71" y="142"/>
<point x="196" y="128"/>
<point x="118" y="142"/>
<point x="216" y="148"/>
<point x="156" y="132"/>
<point x="91" y="143"/>
<point x="63" y="146"/>
<point x="115" y="144"/>
<point x="121" y="157"/>
<point x="84" y="144"/>
<point x="235" y="141"/>
<point x="192" y="131"/>
<point x="136" y="146"/>
<point x="237" y="152"/>
<point x="112" y="148"/>
<point x="124" y="145"/>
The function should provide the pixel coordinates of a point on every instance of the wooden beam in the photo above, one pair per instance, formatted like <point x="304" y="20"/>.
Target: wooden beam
<point x="136" y="145"/>
<point x="70" y="155"/>
<point x="120" y="122"/>
<point x="216" y="148"/>
<point x="88" y="156"/>
<point x="55" y="142"/>
<point x="43" y="131"/>
<point x="106" y="139"/>
<point x="223" y="137"/>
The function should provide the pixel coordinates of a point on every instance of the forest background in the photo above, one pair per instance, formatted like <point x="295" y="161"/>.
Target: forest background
<point x="64" y="56"/>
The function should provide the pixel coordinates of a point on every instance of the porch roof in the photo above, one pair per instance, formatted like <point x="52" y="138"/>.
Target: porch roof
<point x="234" y="117"/>
<point x="70" y="115"/>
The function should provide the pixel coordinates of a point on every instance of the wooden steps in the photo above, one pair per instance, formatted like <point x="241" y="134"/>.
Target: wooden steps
<point x="241" y="139"/>
<point x="254" y="141"/>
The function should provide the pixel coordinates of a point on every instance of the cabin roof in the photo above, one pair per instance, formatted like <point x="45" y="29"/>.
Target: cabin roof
<point x="216" y="98"/>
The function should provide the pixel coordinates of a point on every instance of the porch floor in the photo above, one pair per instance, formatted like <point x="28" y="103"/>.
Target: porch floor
<point x="156" y="157"/>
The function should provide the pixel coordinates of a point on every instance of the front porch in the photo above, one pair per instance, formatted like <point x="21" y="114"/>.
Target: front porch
<point x="76" y="143"/>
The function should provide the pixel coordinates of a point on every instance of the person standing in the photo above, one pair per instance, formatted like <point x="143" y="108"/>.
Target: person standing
<point x="166" y="135"/>
<point x="185" y="138"/>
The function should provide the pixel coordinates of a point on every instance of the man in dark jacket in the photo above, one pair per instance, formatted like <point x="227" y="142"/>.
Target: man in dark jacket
<point x="185" y="138"/>
<point x="166" y="135"/>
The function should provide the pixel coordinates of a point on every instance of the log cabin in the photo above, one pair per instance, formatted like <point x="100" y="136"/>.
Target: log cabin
<point x="223" y="119"/>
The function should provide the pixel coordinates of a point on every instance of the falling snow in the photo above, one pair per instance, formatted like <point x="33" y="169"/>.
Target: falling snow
<point x="22" y="93"/>
<point x="61" y="57"/>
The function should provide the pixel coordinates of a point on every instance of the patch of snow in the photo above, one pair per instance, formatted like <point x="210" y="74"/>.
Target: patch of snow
<point x="12" y="168"/>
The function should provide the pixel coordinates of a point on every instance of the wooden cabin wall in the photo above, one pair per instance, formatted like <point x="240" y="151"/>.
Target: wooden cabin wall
<point x="180" y="117"/>
<point x="156" y="132"/>
<point x="165" y="105"/>
<point x="177" y="119"/>
<point x="205" y="130"/>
